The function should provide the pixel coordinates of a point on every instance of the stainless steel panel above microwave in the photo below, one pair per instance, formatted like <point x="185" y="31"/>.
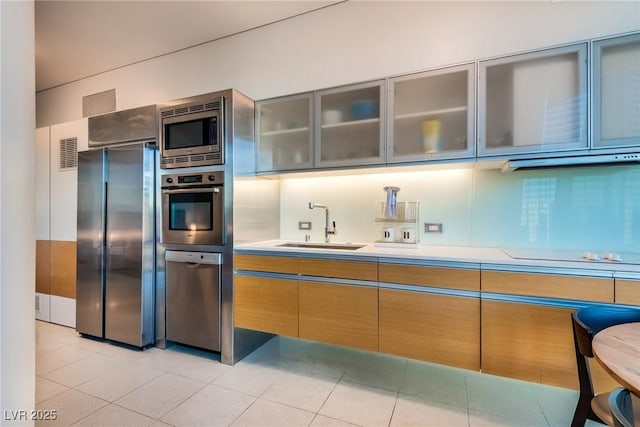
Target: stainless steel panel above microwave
<point x="193" y="208"/>
<point x="192" y="134"/>
<point x="133" y="125"/>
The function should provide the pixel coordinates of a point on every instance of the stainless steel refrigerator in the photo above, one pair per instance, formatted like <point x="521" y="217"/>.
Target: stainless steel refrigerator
<point x="116" y="229"/>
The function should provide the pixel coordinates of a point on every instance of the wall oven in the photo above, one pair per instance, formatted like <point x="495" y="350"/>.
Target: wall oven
<point x="193" y="209"/>
<point x="192" y="134"/>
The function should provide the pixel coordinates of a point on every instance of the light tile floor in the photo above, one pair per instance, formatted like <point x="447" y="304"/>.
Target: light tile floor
<point x="286" y="382"/>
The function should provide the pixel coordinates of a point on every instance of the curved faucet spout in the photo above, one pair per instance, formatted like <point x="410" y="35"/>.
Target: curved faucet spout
<point x="327" y="230"/>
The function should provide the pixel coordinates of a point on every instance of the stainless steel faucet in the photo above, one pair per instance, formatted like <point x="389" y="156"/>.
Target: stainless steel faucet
<point x="327" y="230"/>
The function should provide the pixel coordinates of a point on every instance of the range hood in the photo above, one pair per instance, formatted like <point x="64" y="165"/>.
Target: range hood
<point x="587" y="160"/>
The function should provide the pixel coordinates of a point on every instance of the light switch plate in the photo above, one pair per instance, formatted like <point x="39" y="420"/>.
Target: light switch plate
<point x="304" y="225"/>
<point x="433" y="227"/>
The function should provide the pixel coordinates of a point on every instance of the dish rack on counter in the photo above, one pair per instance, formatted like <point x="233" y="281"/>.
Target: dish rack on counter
<point x="405" y="225"/>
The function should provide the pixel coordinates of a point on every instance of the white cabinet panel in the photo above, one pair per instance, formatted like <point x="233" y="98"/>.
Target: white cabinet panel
<point x="63" y="311"/>
<point x="64" y="180"/>
<point x="43" y="311"/>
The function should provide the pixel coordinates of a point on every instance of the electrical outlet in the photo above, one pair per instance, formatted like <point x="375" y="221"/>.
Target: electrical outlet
<point x="304" y="225"/>
<point x="433" y="227"/>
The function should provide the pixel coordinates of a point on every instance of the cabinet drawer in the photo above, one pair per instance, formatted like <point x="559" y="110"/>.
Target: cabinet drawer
<point x="339" y="314"/>
<point x="439" y="277"/>
<point x="270" y="264"/>
<point x="533" y="343"/>
<point x="436" y="328"/>
<point x="266" y="304"/>
<point x="356" y="270"/>
<point x="548" y="285"/>
<point x="627" y="291"/>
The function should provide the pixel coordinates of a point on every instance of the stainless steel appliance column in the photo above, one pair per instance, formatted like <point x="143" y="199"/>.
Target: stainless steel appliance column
<point x="116" y="244"/>
<point x="90" y="243"/>
<point x="130" y="245"/>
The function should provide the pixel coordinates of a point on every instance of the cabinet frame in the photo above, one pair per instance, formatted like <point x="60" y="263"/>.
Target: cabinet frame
<point x="470" y="150"/>
<point x="597" y="142"/>
<point x="371" y="160"/>
<point x="260" y="135"/>
<point x="556" y="149"/>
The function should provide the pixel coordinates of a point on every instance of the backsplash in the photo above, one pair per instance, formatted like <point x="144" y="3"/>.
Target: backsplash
<point x="594" y="208"/>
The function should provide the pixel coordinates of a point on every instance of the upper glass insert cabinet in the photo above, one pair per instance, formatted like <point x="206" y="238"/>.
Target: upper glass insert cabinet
<point x="284" y="133"/>
<point x="351" y="128"/>
<point x="432" y="115"/>
<point x="534" y="102"/>
<point x="616" y="92"/>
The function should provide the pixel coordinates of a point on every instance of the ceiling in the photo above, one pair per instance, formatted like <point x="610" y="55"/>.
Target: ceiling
<point x="78" y="39"/>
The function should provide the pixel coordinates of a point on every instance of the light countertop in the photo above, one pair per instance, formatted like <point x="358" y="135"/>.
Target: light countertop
<point x="456" y="254"/>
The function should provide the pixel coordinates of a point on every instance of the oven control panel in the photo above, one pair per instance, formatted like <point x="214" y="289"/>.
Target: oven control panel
<point x="193" y="179"/>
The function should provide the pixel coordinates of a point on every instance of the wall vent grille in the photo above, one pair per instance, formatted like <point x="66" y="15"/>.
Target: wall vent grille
<point x="68" y="154"/>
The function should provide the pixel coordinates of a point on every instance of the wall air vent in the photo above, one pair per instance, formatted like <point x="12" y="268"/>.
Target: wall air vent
<point x="196" y="108"/>
<point x="68" y="156"/>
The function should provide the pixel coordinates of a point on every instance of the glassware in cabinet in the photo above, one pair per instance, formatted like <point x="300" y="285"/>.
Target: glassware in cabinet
<point x="432" y="115"/>
<point x="350" y="130"/>
<point x="284" y="133"/>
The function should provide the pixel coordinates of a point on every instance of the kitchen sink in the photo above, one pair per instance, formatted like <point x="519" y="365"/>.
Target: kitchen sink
<point x="343" y="246"/>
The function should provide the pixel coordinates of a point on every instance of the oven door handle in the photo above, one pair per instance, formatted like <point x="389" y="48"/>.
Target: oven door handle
<point x="192" y="190"/>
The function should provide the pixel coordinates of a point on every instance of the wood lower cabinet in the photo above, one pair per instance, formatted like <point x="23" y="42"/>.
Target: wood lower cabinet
<point x="627" y="291"/>
<point x="533" y="343"/>
<point x="266" y="304"/>
<point x="437" y="277"/>
<point x="548" y="285"/>
<point x="269" y="264"/>
<point x="339" y="314"/>
<point x="441" y="329"/>
<point x="355" y="270"/>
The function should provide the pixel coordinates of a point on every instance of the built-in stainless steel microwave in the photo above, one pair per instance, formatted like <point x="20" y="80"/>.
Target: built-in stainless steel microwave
<point x="192" y="134"/>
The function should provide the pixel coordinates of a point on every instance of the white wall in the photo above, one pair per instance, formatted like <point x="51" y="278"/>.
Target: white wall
<point x="64" y="193"/>
<point x="43" y="205"/>
<point x="43" y="182"/>
<point x="346" y="43"/>
<point x="17" y="211"/>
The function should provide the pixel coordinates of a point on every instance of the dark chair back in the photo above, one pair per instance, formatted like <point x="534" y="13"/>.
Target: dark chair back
<point x="587" y="322"/>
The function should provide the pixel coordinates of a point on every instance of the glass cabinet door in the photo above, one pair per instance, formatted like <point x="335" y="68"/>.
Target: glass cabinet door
<point x="534" y="102"/>
<point x="284" y="133"/>
<point x="616" y="92"/>
<point x="432" y="115"/>
<point x="351" y="128"/>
